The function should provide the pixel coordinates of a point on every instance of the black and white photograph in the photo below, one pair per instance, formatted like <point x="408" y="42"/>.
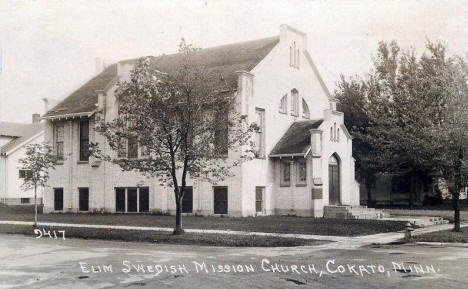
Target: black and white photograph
<point x="233" y="144"/>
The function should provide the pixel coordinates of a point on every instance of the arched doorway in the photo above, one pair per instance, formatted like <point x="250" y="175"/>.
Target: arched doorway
<point x="334" y="193"/>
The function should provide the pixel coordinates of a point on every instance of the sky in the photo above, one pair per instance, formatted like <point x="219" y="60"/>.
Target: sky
<point x="48" y="48"/>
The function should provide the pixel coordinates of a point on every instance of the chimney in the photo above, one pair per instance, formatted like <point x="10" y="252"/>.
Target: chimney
<point x="36" y="118"/>
<point x="99" y="65"/>
<point x="49" y="103"/>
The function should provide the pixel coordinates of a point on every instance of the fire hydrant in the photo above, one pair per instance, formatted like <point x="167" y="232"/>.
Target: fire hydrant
<point x="408" y="230"/>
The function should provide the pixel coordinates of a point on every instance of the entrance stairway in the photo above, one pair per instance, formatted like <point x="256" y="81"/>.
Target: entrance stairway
<point x="353" y="212"/>
<point x="419" y="221"/>
<point x="363" y="212"/>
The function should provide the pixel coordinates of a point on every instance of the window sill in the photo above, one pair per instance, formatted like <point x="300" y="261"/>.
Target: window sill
<point x="296" y="115"/>
<point x="82" y="162"/>
<point x="282" y="112"/>
<point x="301" y="185"/>
<point x="284" y="185"/>
<point x="59" y="163"/>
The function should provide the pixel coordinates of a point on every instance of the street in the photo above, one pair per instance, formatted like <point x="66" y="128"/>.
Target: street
<point x="27" y="262"/>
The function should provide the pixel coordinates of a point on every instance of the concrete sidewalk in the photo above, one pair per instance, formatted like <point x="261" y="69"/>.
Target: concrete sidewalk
<point x="382" y="238"/>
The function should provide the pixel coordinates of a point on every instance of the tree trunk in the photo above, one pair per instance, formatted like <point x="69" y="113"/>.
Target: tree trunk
<point x="411" y="192"/>
<point x="456" y="210"/>
<point x="369" y="193"/>
<point x="178" y="228"/>
<point x="35" y="206"/>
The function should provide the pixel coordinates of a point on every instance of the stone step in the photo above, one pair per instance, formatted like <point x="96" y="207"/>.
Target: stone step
<point x="353" y="212"/>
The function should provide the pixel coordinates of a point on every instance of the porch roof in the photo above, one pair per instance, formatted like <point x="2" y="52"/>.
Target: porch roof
<point x="296" y="140"/>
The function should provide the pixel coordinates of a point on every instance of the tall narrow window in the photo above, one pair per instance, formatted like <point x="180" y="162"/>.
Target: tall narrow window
<point x="259" y="195"/>
<point x="120" y="200"/>
<point x="290" y="56"/>
<point x="187" y="201"/>
<point x="260" y="133"/>
<point x="83" y="199"/>
<point x="331" y="133"/>
<point x="122" y="150"/>
<point x="144" y="200"/>
<point x="285" y="173"/>
<point x="58" y="139"/>
<point x="305" y="110"/>
<point x="298" y="54"/>
<point x="294" y="51"/>
<point x="58" y="199"/>
<point x="338" y="135"/>
<point x="132" y="150"/>
<point x="84" y="140"/>
<point x="301" y="173"/>
<point x="284" y="104"/>
<point x="220" y="200"/>
<point x="294" y="102"/>
<point x="334" y="131"/>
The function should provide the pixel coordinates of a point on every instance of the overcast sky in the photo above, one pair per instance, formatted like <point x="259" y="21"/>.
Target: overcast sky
<point x="48" y="48"/>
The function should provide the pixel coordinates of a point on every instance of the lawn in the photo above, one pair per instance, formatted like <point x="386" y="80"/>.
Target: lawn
<point x="269" y="224"/>
<point x="224" y="240"/>
<point x="447" y="236"/>
<point x="446" y="214"/>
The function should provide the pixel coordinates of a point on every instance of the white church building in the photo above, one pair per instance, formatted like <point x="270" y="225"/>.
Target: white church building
<point x="303" y="164"/>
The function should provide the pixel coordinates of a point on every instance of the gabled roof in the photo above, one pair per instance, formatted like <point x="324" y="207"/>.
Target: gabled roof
<point x="221" y="64"/>
<point x="23" y="132"/>
<point x="296" y="140"/>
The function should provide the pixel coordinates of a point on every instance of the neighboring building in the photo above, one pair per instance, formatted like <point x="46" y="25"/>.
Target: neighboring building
<point x="394" y="190"/>
<point x="303" y="159"/>
<point x="13" y="139"/>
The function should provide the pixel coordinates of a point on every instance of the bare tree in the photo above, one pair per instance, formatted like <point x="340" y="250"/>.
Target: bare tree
<point x="37" y="163"/>
<point x="176" y="124"/>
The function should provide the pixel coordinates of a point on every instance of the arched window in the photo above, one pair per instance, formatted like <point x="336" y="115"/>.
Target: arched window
<point x="297" y="64"/>
<point x="290" y="56"/>
<point x="295" y="61"/>
<point x="294" y="102"/>
<point x="284" y="104"/>
<point x="305" y="109"/>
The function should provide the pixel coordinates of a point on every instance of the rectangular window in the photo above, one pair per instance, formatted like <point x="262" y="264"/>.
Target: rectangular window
<point x="122" y="150"/>
<point x="24" y="200"/>
<point x="132" y="200"/>
<point x="58" y="141"/>
<point x="144" y="200"/>
<point x="83" y="199"/>
<point x="259" y="195"/>
<point x="301" y="166"/>
<point x="220" y="200"/>
<point x="84" y="140"/>
<point x="187" y="201"/>
<point x="120" y="200"/>
<point x="285" y="173"/>
<point x="132" y="147"/>
<point x="260" y="133"/>
<point x="144" y="151"/>
<point x="58" y="199"/>
<point x="25" y="174"/>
